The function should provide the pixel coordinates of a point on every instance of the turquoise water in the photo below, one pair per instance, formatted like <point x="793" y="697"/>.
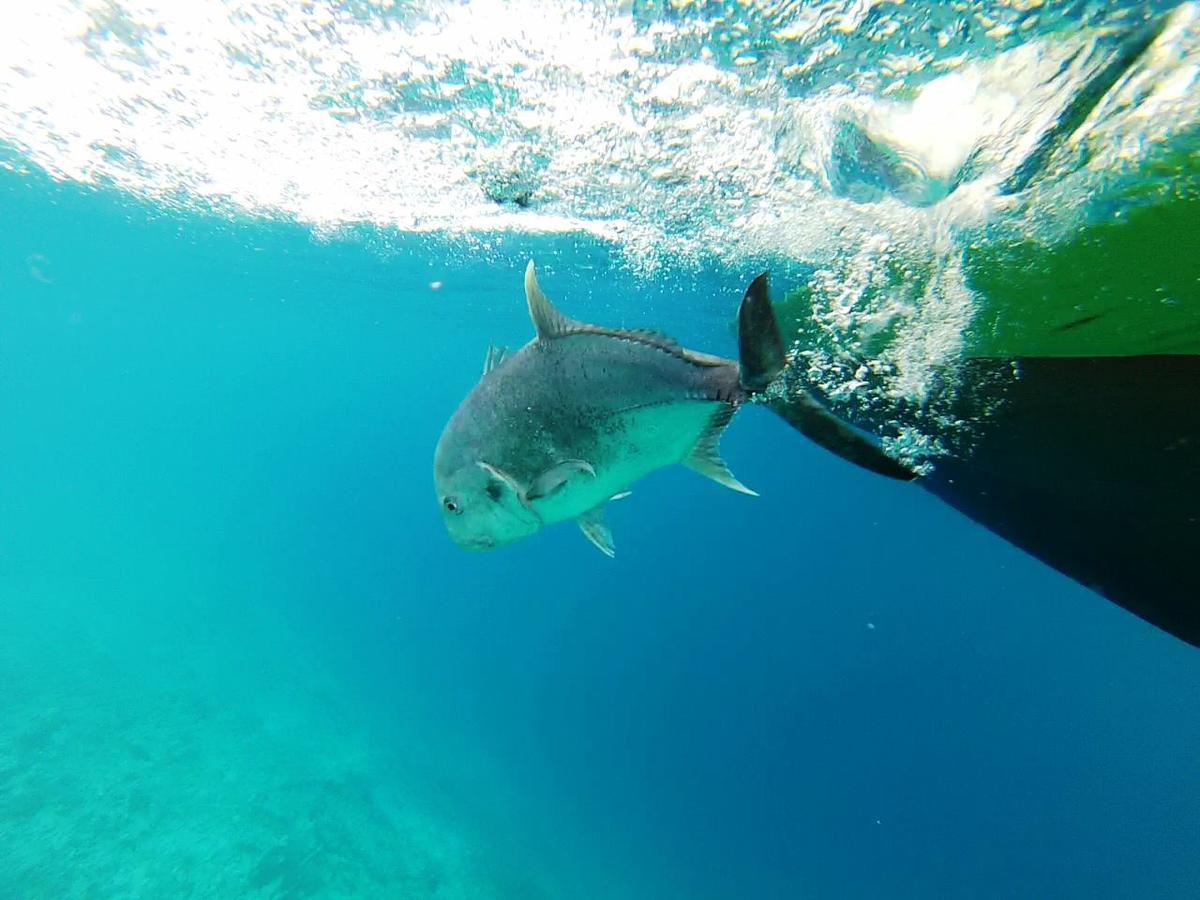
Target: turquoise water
<point x="239" y="657"/>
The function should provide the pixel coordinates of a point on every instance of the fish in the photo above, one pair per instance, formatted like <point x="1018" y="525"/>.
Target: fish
<point x="570" y="422"/>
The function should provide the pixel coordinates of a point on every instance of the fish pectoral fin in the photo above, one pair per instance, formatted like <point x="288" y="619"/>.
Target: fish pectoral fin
<point x="557" y="475"/>
<point x="591" y="523"/>
<point x="705" y="457"/>
<point x="508" y="481"/>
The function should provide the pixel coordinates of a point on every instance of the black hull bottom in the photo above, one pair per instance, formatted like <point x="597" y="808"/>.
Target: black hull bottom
<point x="1093" y="466"/>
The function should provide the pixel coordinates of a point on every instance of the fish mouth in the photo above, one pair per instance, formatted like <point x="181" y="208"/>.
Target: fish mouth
<point x="478" y="543"/>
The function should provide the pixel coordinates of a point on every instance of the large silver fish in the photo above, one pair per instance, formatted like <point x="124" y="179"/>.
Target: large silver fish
<point x="573" y="419"/>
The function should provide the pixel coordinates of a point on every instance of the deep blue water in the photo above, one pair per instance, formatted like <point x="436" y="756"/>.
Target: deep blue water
<point x="239" y="655"/>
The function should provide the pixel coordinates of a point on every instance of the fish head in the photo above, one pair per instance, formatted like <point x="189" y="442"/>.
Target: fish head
<point x="482" y="508"/>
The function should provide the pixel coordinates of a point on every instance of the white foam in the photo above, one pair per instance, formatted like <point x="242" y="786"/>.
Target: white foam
<point x="682" y="138"/>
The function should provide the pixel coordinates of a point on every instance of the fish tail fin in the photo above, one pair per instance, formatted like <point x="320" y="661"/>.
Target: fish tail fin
<point x="763" y="358"/>
<point x="761" y="353"/>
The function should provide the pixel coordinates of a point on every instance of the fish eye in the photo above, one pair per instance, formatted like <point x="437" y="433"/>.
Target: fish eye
<point x="451" y="505"/>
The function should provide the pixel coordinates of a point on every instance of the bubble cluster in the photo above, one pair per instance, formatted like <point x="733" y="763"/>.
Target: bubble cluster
<point x="875" y="140"/>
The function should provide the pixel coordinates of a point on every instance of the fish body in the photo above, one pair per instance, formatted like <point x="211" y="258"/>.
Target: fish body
<point x="625" y="405"/>
<point x="579" y="414"/>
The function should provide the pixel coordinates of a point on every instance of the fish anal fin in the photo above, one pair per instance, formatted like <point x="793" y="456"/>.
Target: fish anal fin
<point x="558" y="475"/>
<point x="705" y="457"/>
<point x="591" y="523"/>
<point x="548" y="322"/>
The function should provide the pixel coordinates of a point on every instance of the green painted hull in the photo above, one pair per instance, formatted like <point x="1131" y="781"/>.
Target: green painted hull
<point x="1074" y="420"/>
<point x="1129" y="286"/>
<point x="1125" y="284"/>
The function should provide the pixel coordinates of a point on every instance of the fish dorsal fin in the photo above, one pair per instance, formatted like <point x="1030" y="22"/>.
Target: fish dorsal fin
<point x="495" y="356"/>
<point x="591" y="523"/>
<point x="548" y="322"/>
<point x="663" y="342"/>
<point x="705" y="457"/>
<point x="652" y="338"/>
<point x="556" y="476"/>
